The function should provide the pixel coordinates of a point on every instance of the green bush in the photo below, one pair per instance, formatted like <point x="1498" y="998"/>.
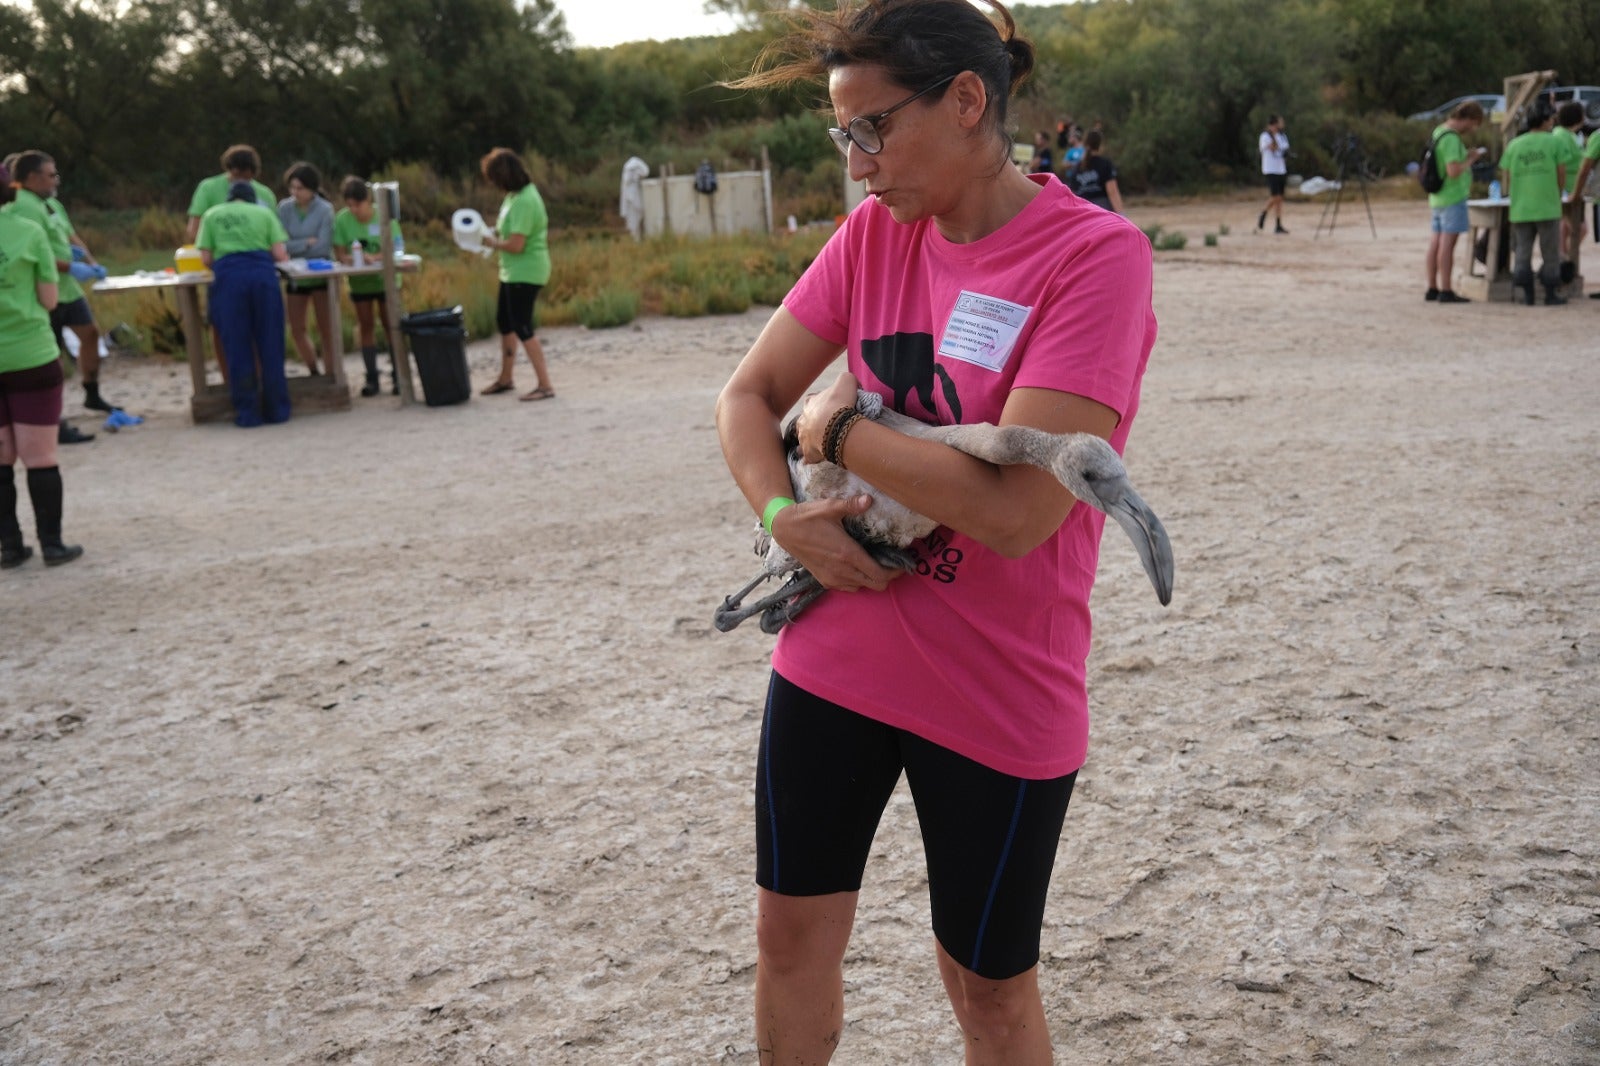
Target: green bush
<point x="608" y="308"/>
<point x="1171" y="242"/>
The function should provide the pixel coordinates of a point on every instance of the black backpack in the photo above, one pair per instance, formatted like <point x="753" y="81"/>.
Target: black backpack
<point x="705" y="179"/>
<point x="1428" y="167"/>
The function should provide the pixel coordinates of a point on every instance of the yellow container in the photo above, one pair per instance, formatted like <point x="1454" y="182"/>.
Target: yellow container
<point x="188" y="260"/>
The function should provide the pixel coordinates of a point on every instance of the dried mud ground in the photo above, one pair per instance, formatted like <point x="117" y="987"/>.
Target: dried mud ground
<point x="402" y="735"/>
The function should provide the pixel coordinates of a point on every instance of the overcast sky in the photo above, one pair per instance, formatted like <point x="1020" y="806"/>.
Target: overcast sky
<point x="599" y="23"/>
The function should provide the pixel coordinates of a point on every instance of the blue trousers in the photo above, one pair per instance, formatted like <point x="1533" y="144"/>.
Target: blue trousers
<point x="247" y="307"/>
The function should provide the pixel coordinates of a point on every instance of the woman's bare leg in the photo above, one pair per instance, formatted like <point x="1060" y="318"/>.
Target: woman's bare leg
<point x="1002" y="1022"/>
<point x="294" y="305"/>
<point x="800" y="943"/>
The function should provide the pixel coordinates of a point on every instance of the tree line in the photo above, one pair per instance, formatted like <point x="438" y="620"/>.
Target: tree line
<point x="137" y="98"/>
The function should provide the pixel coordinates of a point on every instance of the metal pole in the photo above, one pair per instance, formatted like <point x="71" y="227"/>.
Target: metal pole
<point x="387" y="195"/>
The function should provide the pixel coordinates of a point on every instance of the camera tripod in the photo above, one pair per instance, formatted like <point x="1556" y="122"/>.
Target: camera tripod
<point x="1348" y="153"/>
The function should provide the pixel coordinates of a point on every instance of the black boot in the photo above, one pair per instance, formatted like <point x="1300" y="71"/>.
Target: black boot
<point x="1261" y="223"/>
<point x="1552" y="298"/>
<point x="12" y="551"/>
<point x="369" y="356"/>
<point x="44" y="485"/>
<point x="1526" y="285"/>
<point x="92" y="399"/>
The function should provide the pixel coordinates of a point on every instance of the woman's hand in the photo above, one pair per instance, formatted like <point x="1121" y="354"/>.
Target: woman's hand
<point x="812" y="533"/>
<point x="818" y="409"/>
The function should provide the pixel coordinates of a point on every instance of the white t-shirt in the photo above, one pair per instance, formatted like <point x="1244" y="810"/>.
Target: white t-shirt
<point x="1274" y="146"/>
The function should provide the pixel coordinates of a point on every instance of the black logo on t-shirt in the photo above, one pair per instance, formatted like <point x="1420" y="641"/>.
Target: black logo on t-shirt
<point x="905" y="363"/>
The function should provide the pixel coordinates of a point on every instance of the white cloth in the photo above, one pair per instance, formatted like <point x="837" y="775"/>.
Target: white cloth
<point x="631" y="203"/>
<point x="1274" y="147"/>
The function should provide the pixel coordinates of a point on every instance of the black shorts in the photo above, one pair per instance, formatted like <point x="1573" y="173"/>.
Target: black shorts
<point x="32" y="397"/>
<point x="76" y="313"/>
<point x="304" y="286"/>
<point x="1276" y="183"/>
<point x="365" y="297"/>
<point x="823" y="777"/>
<point x="514" y="313"/>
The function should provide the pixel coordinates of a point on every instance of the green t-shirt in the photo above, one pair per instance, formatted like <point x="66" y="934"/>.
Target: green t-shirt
<point x="1451" y="149"/>
<point x="1530" y="163"/>
<point x="58" y="217"/>
<point x="33" y="208"/>
<point x="26" y="259"/>
<point x="1569" y="154"/>
<point x="214" y="191"/>
<point x="237" y="226"/>
<point x="347" y="229"/>
<point x="523" y="212"/>
<point x="1591" y="150"/>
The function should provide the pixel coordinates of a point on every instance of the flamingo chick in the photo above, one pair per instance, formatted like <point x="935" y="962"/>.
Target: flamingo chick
<point x="1086" y="464"/>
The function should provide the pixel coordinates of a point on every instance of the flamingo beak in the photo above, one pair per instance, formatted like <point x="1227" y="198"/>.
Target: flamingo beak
<point x="1149" y="538"/>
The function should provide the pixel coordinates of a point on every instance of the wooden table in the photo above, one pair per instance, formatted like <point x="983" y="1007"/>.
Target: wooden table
<point x="1490" y="277"/>
<point x="211" y="402"/>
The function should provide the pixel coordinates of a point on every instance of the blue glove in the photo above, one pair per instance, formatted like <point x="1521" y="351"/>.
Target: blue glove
<point x="78" y="254"/>
<point x="83" y="271"/>
<point x="99" y="272"/>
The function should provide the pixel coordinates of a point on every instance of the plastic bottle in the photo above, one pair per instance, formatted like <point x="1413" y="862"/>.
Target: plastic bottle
<point x="1494" y="189"/>
<point x="399" y="246"/>
<point x="358" y="256"/>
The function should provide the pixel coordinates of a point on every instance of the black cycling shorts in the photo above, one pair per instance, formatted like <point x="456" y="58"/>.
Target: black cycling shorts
<point x="1276" y="183"/>
<point x="71" y="314"/>
<point x="514" y="314"/>
<point x="823" y="778"/>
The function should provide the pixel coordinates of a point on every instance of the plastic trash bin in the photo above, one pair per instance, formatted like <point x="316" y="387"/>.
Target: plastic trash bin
<point x="438" y="341"/>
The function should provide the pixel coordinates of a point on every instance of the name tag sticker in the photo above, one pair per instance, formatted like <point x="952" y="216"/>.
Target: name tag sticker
<point x="982" y="330"/>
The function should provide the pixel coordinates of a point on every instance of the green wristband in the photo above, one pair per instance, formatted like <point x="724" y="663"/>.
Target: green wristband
<point x="774" y="505"/>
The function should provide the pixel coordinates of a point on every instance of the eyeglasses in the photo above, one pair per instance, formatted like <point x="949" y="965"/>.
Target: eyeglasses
<point x="862" y="131"/>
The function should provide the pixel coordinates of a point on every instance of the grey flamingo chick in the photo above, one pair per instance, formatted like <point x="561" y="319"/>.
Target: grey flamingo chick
<point x="1086" y="464"/>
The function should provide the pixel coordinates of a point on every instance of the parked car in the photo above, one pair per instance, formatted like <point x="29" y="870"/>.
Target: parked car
<point x="1493" y="104"/>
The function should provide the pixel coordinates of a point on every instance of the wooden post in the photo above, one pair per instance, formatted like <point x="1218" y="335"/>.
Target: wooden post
<point x="666" y="199"/>
<point x="387" y="195"/>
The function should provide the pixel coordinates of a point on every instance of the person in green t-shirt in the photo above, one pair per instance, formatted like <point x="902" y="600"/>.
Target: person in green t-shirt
<point x="1591" y="158"/>
<point x="1569" y="123"/>
<point x="522" y="238"/>
<point x="358" y="221"/>
<point x="39" y="179"/>
<point x="239" y="163"/>
<point x="240" y="242"/>
<point x="1533" y="175"/>
<point x="30" y="386"/>
<point x="1448" y="206"/>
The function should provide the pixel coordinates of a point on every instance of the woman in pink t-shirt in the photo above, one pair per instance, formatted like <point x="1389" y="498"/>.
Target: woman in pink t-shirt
<point x="961" y="291"/>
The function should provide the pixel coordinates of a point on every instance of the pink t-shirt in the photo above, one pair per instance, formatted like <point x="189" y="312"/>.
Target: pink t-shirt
<point x="978" y="653"/>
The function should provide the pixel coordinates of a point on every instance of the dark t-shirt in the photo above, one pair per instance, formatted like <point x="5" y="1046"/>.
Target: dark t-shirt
<point x="1089" y="179"/>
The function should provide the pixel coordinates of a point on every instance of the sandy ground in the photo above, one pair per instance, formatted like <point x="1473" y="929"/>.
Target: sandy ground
<point x="402" y="736"/>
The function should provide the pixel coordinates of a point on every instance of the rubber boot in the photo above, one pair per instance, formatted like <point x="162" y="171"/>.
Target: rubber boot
<point x="369" y="356"/>
<point x="44" y="485"/>
<point x="394" y="373"/>
<point x="1552" y="298"/>
<point x="12" y="551"/>
<point x="1261" y="223"/>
